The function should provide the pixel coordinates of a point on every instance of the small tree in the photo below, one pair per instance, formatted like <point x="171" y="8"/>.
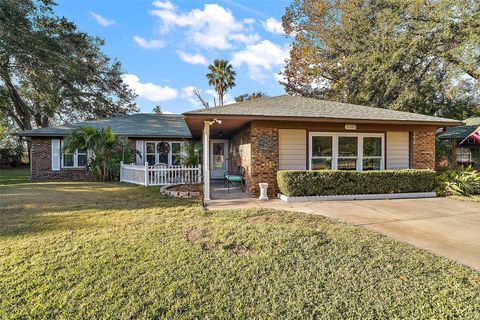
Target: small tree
<point x="107" y="150"/>
<point x="157" y="109"/>
<point x="192" y="153"/>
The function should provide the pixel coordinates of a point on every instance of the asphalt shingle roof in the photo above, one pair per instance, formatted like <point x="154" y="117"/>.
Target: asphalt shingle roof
<point x="460" y="132"/>
<point x="135" y="125"/>
<point x="296" y="106"/>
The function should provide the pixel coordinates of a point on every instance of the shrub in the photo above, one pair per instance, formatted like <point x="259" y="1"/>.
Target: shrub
<point x="322" y="182"/>
<point x="108" y="150"/>
<point x="464" y="181"/>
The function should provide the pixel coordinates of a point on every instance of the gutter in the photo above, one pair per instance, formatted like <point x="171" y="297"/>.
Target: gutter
<point x="192" y="116"/>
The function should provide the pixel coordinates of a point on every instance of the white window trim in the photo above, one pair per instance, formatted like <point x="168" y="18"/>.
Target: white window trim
<point x="465" y="153"/>
<point x="335" y="156"/>
<point x="75" y="159"/>
<point x="170" y="153"/>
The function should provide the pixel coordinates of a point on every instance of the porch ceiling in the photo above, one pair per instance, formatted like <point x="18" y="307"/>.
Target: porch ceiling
<point x="217" y="131"/>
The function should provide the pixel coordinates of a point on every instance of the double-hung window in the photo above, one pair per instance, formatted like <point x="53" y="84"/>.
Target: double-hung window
<point x="464" y="155"/>
<point x="176" y="153"/>
<point x="155" y="152"/>
<point x="372" y="153"/>
<point x="322" y="152"/>
<point x="77" y="159"/>
<point x="347" y="158"/>
<point x="346" y="151"/>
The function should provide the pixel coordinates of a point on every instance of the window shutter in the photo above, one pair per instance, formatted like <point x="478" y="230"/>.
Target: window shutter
<point x="139" y="147"/>
<point x="90" y="155"/>
<point x="55" y="155"/>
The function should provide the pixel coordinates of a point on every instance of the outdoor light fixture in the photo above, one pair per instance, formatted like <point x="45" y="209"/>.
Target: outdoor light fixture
<point x="215" y="120"/>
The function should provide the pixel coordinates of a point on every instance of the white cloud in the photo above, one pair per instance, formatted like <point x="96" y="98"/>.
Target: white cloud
<point x="167" y="5"/>
<point x="279" y="77"/>
<point x="210" y="27"/>
<point x="227" y="98"/>
<point x="187" y="92"/>
<point x="167" y="112"/>
<point x="248" y="20"/>
<point x="245" y="38"/>
<point x="101" y="20"/>
<point x="148" y="44"/>
<point x="261" y="57"/>
<point x="192" y="58"/>
<point x="150" y="91"/>
<point x="273" y="25"/>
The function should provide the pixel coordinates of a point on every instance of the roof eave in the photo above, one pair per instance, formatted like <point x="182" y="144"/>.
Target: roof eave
<point x="198" y="116"/>
<point x="39" y="134"/>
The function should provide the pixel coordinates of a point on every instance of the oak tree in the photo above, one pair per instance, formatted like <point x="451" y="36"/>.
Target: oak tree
<point x="412" y="55"/>
<point x="51" y="72"/>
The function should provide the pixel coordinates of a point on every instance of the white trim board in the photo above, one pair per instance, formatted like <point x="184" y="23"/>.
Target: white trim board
<point x="349" y="197"/>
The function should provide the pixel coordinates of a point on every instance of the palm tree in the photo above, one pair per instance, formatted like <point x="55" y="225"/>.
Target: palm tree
<point x="107" y="150"/>
<point x="221" y="77"/>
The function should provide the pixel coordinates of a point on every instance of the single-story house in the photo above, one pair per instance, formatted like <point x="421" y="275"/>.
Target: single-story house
<point x="263" y="136"/>
<point x="465" y="151"/>
<point x="144" y="130"/>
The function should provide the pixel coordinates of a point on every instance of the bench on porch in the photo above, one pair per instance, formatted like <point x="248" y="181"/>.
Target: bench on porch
<point x="235" y="178"/>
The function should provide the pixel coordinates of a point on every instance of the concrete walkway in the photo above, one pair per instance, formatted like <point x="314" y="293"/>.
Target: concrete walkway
<point x="444" y="226"/>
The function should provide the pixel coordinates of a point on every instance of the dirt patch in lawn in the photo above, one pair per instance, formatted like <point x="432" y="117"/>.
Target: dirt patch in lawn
<point x="196" y="234"/>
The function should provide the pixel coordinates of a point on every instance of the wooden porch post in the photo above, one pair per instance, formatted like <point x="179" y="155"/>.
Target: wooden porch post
<point x="454" y="153"/>
<point x="206" y="160"/>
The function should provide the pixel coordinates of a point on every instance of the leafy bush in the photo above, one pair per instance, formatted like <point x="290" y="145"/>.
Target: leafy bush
<point x="464" y="181"/>
<point x="192" y="153"/>
<point x="108" y="150"/>
<point x="322" y="182"/>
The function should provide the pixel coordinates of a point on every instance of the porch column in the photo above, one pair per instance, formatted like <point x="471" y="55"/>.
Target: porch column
<point x="206" y="160"/>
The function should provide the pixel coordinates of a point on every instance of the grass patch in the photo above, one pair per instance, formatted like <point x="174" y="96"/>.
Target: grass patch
<point x="469" y="198"/>
<point x="112" y="250"/>
<point x="14" y="176"/>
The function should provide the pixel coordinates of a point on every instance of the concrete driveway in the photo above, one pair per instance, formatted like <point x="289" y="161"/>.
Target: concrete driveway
<point x="444" y="226"/>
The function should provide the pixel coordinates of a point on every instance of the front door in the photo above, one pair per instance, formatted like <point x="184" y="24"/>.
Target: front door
<point x="218" y="158"/>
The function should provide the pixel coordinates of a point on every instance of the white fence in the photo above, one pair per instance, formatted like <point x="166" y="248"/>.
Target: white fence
<point x="160" y="175"/>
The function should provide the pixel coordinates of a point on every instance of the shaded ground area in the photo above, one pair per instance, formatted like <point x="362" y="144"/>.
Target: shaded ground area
<point x="111" y="250"/>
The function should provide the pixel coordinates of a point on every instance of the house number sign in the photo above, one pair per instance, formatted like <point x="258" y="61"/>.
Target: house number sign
<point x="350" y="127"/>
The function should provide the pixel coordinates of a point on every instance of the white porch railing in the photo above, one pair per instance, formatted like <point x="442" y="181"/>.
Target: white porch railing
<point x="160" y="175"/>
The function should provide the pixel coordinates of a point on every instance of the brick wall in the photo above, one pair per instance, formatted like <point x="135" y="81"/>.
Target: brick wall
<point x="42" y="164"/>
<point x="240" y="154"/>
<point x="422" y="149"/>
<point x="264" y="145"/>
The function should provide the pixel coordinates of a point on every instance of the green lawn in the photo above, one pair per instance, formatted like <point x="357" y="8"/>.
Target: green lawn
<point x="14" y="176"/>
<point x="110" y="250"/>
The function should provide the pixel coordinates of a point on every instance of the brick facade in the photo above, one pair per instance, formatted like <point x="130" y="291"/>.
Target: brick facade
<point x="260" y="154"/>
<point x="240" y="154"/>
<point x="422" y="149"/>
<point x="264" y="144"/>
<point x="42" y="164"/>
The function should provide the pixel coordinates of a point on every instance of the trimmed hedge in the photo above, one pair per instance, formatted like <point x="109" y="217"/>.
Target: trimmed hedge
<point x="326" y="183"/>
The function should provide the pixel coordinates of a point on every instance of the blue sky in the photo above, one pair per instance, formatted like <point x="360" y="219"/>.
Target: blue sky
<point x="165" y="46"/>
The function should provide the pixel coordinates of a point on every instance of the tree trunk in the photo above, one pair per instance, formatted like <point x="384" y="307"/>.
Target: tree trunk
<point x="220" y="96"/>
<point x="21" y="113"/>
